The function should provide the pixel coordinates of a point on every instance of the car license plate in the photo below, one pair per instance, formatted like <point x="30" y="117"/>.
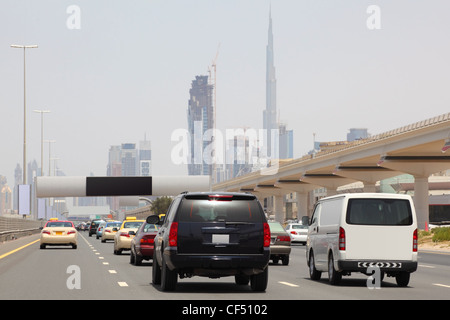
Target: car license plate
<point x="59" y="233"/>
<point x="221" y="238"/>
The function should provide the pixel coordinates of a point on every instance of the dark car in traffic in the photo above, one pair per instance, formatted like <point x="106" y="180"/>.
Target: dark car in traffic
<point x="93" y="226"/>
<point x="142" y="245"/>
<point x="212" y="235"/>
<point x="280" y="244"/>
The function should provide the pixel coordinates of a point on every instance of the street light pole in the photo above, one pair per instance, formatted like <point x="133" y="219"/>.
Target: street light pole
<point x="42" y="137"/>
<point x="49" y="154"/>
<point x="24" y="110"/>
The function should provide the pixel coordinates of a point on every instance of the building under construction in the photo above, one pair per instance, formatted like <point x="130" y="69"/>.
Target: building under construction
<point x="200" y="116"/>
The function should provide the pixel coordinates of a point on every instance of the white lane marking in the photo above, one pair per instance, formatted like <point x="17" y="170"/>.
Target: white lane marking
<point x="105" y="263"/>
<point x="288" y="284"/>
<point x="441" y="285"/>
<point x="112" y="271"/>
<point x="122" y="284"/>
<point x="426" y="266"/>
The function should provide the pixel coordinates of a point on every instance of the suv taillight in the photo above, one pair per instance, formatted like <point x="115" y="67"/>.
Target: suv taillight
<point x="415" y="238"/>
<point x="173" y="234"/>
<point x="341" y="239"/>
<point x="266" y="235"/>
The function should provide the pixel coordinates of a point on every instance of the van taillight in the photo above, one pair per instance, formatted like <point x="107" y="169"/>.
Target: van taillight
<point x="415" y="241"/>
<point x="341" y="238"/>
<point x="266" y="235"/>
<point x="173" y="234"/>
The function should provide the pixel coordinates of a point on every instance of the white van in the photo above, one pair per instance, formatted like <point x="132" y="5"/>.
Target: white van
<point x="352" y="232"/>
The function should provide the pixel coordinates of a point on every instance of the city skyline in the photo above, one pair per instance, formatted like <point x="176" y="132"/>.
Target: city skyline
<point x="124" y="72"/>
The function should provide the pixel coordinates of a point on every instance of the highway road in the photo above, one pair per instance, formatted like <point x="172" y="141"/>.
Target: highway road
<point x="93" y="272"/>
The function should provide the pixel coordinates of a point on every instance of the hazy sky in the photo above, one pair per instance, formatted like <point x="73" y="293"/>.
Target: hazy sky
<point x="122" y="70"/>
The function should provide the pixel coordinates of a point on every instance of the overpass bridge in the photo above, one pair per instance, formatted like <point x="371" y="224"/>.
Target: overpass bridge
<point x="418" y="149"/>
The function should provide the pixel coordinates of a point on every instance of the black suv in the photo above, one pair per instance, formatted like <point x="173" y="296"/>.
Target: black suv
<point x="212" y="235"/>
<point x="93" y="226"/>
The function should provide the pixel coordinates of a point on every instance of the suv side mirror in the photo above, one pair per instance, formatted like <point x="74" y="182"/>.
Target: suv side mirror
<point x="154" y="219"/>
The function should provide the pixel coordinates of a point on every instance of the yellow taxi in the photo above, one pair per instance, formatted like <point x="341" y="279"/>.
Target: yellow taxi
<point x="110" y="230"/>
<point x="127" y="231"/>
<point x="59" y="232"/>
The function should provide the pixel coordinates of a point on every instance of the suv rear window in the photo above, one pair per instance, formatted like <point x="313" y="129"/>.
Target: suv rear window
<point x="379" y="212"/>
<point x="220" y="210"/>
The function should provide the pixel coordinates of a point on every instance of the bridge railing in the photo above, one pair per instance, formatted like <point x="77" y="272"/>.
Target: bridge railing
<point x="16" y="227"/>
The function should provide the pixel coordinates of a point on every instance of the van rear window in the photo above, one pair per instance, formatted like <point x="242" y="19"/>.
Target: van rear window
<point x="379" y="212"/>
<point x="196" y="210"/>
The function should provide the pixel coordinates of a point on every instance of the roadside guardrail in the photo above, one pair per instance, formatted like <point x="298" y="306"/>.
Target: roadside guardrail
<point x="16" y="227"/>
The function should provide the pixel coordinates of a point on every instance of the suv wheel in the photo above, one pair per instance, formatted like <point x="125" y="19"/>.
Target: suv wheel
<point x="156" y="270"/>
<point x="169" y="278"/>
<point x="259" y="281"/>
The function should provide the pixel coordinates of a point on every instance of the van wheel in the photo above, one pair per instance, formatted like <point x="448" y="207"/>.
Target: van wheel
<point x="334" y="277"/>
<point x="313" y="273"/>
<point x="258" y="282"/>
<point x="402" y="279"/>
<point x="285" y="260"/>
<point x="169" y="277"/>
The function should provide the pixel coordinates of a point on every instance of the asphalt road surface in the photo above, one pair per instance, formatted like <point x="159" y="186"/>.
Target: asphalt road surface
<point x="92" y="272"/>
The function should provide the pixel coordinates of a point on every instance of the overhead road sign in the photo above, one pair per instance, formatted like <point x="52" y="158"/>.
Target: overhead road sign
<point x="118" y="186"/>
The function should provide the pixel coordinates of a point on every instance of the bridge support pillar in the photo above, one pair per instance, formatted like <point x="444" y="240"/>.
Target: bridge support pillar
<point x="278" y="209"/>
<point x="302" y="204"/>
<point x="421" y="201"/>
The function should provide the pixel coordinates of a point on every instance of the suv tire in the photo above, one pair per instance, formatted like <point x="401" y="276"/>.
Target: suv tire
<point x="259" y="281"/>
<point x="156" y="270"/>
<point x="169" y="277"/>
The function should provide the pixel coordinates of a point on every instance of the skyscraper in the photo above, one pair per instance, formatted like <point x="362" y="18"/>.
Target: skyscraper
<point x="145" y="158"/>
<point x="278" y="139"/>
<point x="200" y="116"/>
<point x="129" y="159"/>
<point x="270" y="113"/>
